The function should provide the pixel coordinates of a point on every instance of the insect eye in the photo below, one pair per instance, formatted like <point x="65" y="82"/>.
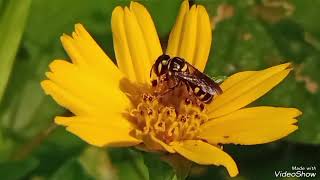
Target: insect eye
<point x="178" y="64"/>
<point x="164" y="62"/>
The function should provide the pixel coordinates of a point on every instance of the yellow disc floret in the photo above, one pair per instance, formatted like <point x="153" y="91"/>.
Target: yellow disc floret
<point x="167" y="121"/>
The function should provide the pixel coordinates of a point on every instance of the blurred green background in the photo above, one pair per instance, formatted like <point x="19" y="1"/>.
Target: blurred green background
<point x="249" y="35"/>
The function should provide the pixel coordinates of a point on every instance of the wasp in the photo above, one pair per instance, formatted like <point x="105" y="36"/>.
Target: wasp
<point x="179" y="71"/>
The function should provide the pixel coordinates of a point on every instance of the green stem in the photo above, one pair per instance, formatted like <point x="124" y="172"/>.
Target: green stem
<point x="27" y="148"/>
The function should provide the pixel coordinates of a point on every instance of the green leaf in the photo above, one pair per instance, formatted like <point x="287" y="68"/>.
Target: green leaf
<point x="12" y="22"/>
<point x="71" y="170"/>
<point x="6" y="146"/>
<point x="17" y="169"/>
<point x="180" y="165"/>
<point x="129" y="164"/>
<point x="97" y="163"/>
<point x="158" y="169"/>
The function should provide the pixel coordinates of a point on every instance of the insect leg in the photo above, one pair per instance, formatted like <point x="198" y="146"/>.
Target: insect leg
<point x="177" y="83"/>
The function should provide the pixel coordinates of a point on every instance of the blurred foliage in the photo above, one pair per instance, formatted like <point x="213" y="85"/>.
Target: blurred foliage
<point x="131" y="162"/>
<point x="249" y="35"/>
<point x="12" y="22"/>
<point x="255" y="35"/>
<point x="15" y="170"/>
<point x="72" y="169"/>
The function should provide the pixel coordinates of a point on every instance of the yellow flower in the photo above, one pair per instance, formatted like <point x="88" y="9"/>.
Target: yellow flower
<point x="115" y="105"/>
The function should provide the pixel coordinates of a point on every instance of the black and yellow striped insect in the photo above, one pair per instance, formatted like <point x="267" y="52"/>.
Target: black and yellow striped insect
<point x="181" y="72"/>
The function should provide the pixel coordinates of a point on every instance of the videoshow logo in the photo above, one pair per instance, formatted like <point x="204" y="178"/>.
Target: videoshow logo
<point x="298" y="171"/>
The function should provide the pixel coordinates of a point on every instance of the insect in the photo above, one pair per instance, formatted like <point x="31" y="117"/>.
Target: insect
<point x="181" y="72"/>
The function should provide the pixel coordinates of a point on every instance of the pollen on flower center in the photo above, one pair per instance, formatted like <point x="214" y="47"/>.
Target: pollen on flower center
<point x="168" y="118"/>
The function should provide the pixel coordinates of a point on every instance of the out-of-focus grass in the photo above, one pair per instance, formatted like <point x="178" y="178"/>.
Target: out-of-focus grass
<point x="250" y="35"/>
<point x="12" y="21"/>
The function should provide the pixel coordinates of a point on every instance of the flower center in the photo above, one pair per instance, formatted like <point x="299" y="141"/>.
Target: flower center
<point x="173" y="116"/>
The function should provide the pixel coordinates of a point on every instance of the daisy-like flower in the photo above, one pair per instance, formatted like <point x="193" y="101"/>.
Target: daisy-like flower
<point x="115" y="105"/>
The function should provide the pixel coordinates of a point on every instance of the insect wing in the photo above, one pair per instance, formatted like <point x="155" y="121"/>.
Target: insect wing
<point x="195" y="81"/>
<point x="204" y="81"/>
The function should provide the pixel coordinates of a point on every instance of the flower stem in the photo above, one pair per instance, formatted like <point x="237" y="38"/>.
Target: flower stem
<point x="27" y="148"/>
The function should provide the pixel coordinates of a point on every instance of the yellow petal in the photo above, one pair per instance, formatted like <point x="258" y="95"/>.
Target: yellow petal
<point x="236" y="79"/>
<point x="86" y="53"/>
<point x="70" y="82"/>
<point x="72" y="51"/>
<point x="148" y="29"/>
<point x="97" y="132"/>
<point x="120" y="44"/>
<point x="137" y="46"/>
<point x="204" y="37"/>
<point x="249" y="126"/>
<point x="206" y="154"/>
<point x="176" y="32"/>
<point x="191" y="35"/>
<point x="154" y="144"/>
<point x="65" y="99"/>
<point x="247" y="90"/>
<point x="135" y="40"/>
<point x="164" y="145"/>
